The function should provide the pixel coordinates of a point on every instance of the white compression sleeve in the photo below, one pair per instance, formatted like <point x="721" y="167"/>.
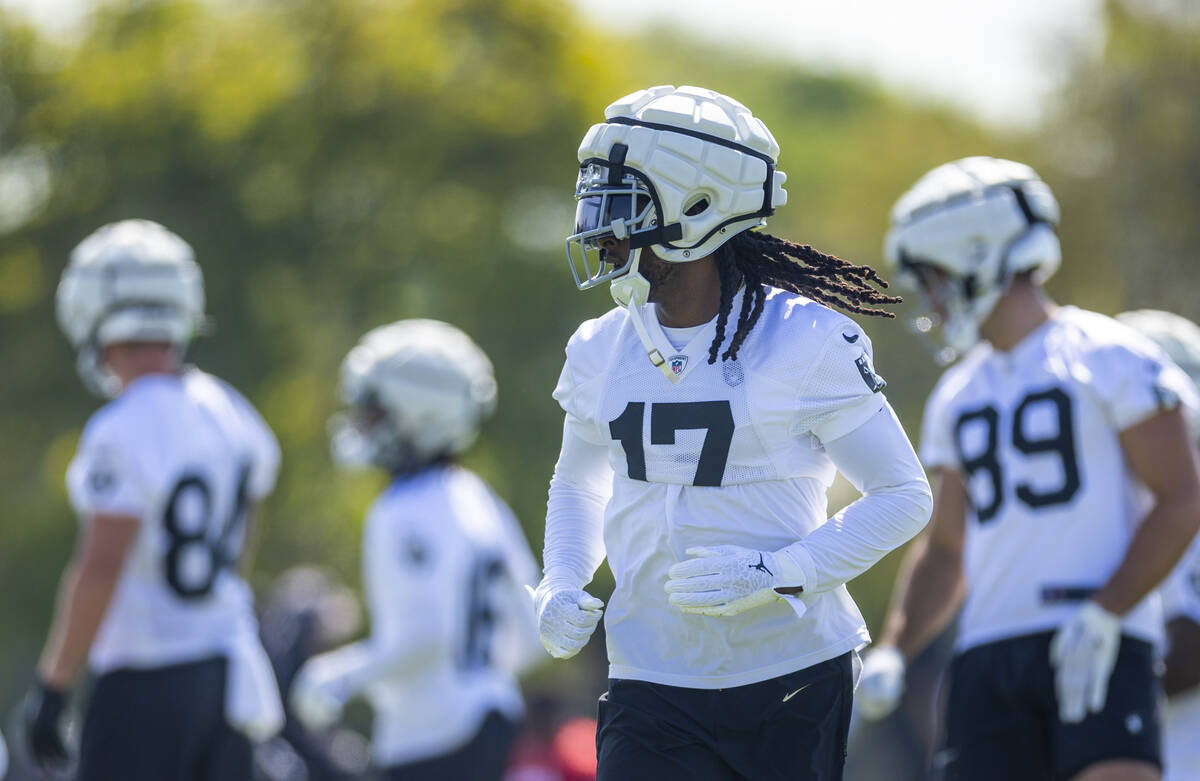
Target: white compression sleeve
<point x="579" y="490"/>
<point x="879" y="461"/>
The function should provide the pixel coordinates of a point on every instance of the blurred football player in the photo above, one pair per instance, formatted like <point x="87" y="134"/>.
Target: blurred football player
<point x="305" y="612"/>
<point x="445" y="565"/>
<point x="1067" y="492"/>
<point x="164" y="482"/>
<point x="1180" y="339"/>
<point x="706" y="416"/>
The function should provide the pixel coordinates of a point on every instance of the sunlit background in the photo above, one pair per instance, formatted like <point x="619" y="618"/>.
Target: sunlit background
<point x="341" y="163"/>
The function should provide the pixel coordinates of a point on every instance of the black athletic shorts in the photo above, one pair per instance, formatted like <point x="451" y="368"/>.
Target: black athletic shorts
<point x="482" y="759"/>
<point x="1002" y="715"/>
<point x="162" y="723"/>
<point x="789" y="728"/>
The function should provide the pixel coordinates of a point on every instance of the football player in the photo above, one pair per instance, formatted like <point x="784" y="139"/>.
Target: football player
<point x="706" y="416"/>
<point x="1180" y="339"/>
<point x="445" y="565"/>
<point x="164" y="482"/>
<point x="1067" y="491"/>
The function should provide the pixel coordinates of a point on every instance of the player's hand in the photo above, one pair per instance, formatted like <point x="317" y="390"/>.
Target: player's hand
<point x="1083" y="652"/>
<point x="318" y="695"/>
<point x="43" y="712"/>
<point x="566" y="618"/>
<point x="723" y="580"/>
<point x="882" y="682"/>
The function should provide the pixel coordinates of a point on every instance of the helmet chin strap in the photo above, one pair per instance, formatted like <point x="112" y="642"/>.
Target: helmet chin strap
<point x="631" y="290"/>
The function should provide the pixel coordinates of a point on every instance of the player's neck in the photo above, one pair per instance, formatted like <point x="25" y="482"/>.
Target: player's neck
<point x="129" y="379"/>
<point x="692" y="297"/>
<point x="1019" y="312"/>
<point x="130" y="361"/>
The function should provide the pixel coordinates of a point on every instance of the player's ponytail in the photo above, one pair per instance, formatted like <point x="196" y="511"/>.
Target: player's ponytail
<point x="761" y="259"/>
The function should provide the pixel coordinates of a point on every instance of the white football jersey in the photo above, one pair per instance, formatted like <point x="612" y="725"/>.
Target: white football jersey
<point x="1181" y="737"/>
<point x="1053" y="505"/>
<point x="730" y="454"/>
<point x="186" y="455"/>
<point x="1181" y="727"/>
<point x="444" y="560"/>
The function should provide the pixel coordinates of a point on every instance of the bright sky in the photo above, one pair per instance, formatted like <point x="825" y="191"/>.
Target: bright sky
<point x="995" y="59"/>
<point x="998" y="60"/>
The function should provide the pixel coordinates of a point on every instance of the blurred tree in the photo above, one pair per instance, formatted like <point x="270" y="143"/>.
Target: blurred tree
<point x="336" y="165"/>
<point x="1120" y="151"/>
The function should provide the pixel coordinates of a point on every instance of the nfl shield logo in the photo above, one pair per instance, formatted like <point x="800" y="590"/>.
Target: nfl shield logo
<point x="677" y="364"/>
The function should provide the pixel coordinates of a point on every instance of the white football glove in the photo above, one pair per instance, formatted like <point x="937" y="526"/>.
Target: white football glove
<point x="318" y="693"/>
<point x="881" y="684"/>
<point x="1083" y="652"/>
<point x="566" y="618"/>
<point x="724" y="580"/>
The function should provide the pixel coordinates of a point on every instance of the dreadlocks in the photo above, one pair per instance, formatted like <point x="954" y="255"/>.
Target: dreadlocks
<point x="761" y="259"/>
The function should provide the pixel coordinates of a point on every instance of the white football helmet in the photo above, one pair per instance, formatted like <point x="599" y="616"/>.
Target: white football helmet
<point x="418" y="390"/>
<point x="129" y="281"/>
<point x="1178" y="337"/>
<point x="682" y="170"/>
<point x="979" y="221"/>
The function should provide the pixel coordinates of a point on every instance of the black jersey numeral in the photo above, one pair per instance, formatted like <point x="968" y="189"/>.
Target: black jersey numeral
<point x="715" y="417"/>
<point x="1062" y="444"/>
<point x="986" y="460"/>
<point x="200" y="544"/>
<point x="626" y="428"/>
<point x="486" y="572"/>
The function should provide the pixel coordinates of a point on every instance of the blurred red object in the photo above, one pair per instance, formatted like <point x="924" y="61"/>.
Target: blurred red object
<point x="575" y="749"/>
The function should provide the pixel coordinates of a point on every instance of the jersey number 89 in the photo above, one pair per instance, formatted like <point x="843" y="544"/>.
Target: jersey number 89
<point x="200" y="543"/>
<point x="1061" y="444"/>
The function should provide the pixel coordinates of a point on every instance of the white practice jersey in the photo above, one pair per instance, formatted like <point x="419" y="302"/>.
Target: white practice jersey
<point x="445" y="565"/>
<point x="1053" y="505"/>
<point x="731" y="454"/>
<point x="1181" y="727"/>
<point x="186" y="455"/>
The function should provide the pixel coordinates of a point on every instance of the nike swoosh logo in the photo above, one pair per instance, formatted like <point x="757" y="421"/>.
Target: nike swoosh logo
<point x="793" y="694"/>
<point x="850" y="338"/>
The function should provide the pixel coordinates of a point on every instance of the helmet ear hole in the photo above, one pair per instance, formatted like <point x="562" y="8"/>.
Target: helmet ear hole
<point x="697" y="206"/>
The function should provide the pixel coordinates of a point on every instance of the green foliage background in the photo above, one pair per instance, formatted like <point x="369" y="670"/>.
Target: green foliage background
<point x="338" y="164"/>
